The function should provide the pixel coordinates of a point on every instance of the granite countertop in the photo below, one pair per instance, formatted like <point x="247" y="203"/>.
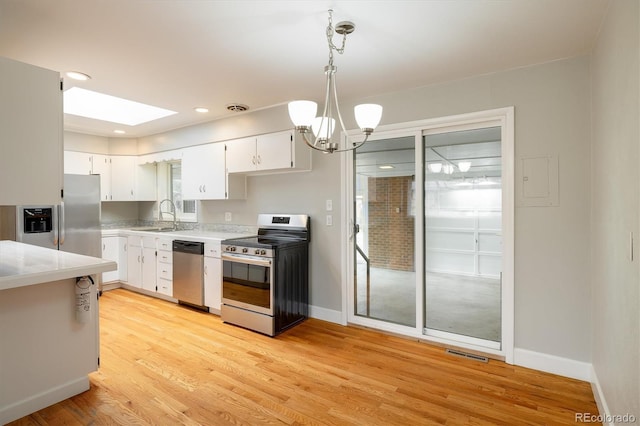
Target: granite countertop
<point x="191" y="235"/>
<point x="24" y="264"/>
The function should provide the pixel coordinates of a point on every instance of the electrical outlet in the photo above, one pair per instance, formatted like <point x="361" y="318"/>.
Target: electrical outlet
<point x="227" y="216"/>
<point x="329" y="205"/>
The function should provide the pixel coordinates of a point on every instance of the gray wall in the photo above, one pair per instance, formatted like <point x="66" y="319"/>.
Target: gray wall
<point x="615" y="208"/>
<point x="552" y="117"/>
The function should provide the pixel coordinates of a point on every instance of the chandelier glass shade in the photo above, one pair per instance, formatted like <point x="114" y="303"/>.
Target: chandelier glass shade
<point x="304" y="116"/>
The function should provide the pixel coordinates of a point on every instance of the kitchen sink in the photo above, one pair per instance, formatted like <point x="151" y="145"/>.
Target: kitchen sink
<point x="156" y="229"/>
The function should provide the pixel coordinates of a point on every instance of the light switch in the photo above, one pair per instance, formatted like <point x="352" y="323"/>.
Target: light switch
<point x="329" y="205"/>
<point x="329" y="220"/>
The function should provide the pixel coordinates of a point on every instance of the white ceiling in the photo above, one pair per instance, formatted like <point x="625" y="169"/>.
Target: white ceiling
<point x="179" y="54"/>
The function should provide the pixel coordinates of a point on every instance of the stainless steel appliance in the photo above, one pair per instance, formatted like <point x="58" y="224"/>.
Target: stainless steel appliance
<point x="188" y="273"/>
<point x="72" y="226"/>
<point x="265" y="279"/>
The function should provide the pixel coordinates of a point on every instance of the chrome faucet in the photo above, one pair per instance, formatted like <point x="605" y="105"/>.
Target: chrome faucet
<point x="174" y="212"/>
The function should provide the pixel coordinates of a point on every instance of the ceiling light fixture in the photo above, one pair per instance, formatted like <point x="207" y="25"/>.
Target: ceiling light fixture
<point x="464" y="166"/>
<point x="119" y="132"/>
<point x="303" y="113"/>
<point x="201" y="109"/>
<point x="435" y="167"/>
<point x="77" y="75"/>
<point x="386" y="167"/>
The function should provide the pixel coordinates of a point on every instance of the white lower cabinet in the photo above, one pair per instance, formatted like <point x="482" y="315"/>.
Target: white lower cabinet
<point x="142" y="262"/>
<point x="115" y="248"/>
<point x="212" y="276"/>
<point x="164" y="267"/>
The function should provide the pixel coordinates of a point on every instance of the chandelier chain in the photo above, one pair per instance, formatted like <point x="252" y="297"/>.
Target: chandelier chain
<point x="330" y="33"/>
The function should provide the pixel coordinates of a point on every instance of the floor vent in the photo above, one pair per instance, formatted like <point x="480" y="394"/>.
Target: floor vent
<point x="466" y="355"/>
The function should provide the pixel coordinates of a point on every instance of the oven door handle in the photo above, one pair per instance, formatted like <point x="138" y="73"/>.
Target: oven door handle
<point x="246" y="260"/>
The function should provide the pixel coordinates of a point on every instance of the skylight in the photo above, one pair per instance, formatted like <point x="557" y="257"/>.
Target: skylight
<point x="99" y="106"/>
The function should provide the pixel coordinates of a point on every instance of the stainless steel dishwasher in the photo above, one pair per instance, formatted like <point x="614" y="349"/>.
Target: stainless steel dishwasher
<point x="188" y="277"/>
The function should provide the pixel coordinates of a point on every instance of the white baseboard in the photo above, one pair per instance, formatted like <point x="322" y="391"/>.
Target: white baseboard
<point x="325" y="314"/>
<point x="42" y="400"/>
<point x="601" y="402"/>
<point x="552" y="364"/>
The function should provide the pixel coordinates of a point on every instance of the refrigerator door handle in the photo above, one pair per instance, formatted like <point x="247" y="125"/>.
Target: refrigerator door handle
<point x="55" y="226"/>
<point x="61" y="226"/>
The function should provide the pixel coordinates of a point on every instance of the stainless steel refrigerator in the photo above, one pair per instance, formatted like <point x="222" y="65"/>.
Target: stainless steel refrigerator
<point x="73" y="226"/>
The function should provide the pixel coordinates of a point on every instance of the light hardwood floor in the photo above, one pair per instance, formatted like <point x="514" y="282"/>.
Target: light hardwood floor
<point x="164" y="364"/>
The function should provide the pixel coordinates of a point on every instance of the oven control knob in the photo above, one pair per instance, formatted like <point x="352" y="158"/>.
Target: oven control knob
<point x="257" y="251"/>
<point x="263" y="252"/>
<point x="244" y="250"/>
<point x="232" y="248"/>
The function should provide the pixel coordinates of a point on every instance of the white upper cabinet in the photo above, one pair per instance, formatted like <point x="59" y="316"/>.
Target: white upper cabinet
<point x="121" y="177"/>
<point x="270" y="153"/>
<point x="241" y="155"/>
<point x="31" y="134"/>
<point x="204" y="174"/>
<point x="123" y="183"/>
<point x="130" y="181"/>
<point x="100" y="165"/>
<point x="77" y="163"/>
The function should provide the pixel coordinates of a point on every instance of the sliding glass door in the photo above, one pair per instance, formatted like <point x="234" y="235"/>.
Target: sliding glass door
<point x="463" y="234"/>
<point x="385" y="275"/>
<point x="431" y="231"/>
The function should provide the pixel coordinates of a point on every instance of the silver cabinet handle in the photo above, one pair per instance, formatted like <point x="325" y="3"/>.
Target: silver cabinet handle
<point x="62" y="224"/>
<point x="259" y="160"/>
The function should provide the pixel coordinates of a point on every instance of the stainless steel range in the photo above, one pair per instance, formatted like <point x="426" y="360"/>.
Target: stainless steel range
<point x="265" y="279"/>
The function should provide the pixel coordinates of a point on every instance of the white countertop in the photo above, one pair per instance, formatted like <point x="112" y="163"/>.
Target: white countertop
<point x="24" y="264"/>
<point x="191" y="235"/>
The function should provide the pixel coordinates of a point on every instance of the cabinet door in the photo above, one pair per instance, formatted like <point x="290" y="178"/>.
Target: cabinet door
<point x="101" y="166"/>
<point x="241" y="155"/>
<point x="213" y="282"/>
<point x="110" y="251"/>
<point x="31" y="159"/>
<point x="145" y="182"/>
<point x="122" y="177"/>
<point x="134" y="266"/>
<point x="77" y="163"/>
<point x="274" y="151"/>
<point x="123" y="260"/>
<point x="149" y="269"/>
<point x="203" y="172"/>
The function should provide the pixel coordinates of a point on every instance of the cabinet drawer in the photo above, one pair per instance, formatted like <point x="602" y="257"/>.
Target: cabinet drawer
<point x="165" y="256"/>
<point x="212" y="249"/>
<point x="165" y="287"/>
<point x="165" y="271"/>
<point x="165" y="244"/>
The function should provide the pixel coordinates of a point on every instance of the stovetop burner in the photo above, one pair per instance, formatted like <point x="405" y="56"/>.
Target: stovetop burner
<point x="276" y="231"/>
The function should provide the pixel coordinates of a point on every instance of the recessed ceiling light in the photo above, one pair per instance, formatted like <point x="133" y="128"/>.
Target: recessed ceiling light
<point x="99" y="106"/>
<point x="201" y="109"/>
<point x="386" y="166"/>
<point x="120" y="132"/>
<point x="77" y="75"/>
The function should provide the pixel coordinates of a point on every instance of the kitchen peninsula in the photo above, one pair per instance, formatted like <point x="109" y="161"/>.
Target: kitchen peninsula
<point x="46" y="354"/>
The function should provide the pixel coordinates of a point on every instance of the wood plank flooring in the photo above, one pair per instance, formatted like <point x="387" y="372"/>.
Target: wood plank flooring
<point x="164" y="364"/>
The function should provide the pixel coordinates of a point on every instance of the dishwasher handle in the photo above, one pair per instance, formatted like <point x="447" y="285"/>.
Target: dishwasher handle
<point x="191" y="247"/>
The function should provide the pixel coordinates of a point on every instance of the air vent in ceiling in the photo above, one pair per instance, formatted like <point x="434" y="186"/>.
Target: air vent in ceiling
<point x="237" y="107"/>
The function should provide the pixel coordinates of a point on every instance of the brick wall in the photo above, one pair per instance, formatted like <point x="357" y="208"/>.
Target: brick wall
<point x="391" y="227"/>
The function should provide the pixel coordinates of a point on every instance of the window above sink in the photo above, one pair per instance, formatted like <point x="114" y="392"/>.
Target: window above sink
<point x="170" y="187"/>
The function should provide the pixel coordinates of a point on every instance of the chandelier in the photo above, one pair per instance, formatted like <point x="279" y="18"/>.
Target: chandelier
<point x="303" y="113"/>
